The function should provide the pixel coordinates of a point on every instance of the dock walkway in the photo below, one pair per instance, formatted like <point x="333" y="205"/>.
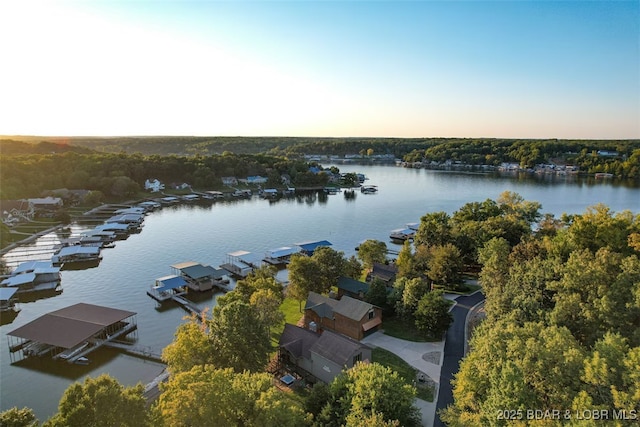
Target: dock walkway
<point x="187" y="305"/>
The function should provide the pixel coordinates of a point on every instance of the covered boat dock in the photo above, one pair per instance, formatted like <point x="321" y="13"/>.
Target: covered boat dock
<point x="165" y="288"/>
<point x="280" y="256"/>
<point x="241" y="263"/>
<point x="308" y="248"/>
<point x="200" y="277"/>
<point x="70" y="333"/>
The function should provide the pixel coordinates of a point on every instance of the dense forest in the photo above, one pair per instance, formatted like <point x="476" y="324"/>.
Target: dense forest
<point x="562" y="334"/>
<point x="618" y="157"/>
<point x="123" y="175"/>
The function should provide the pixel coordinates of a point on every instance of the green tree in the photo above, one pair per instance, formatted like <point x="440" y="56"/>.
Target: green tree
<point x="15" y="417"/>
<point x="303" y="276"/>
<point x="432" y="314"/>
<point x="205" y="396"/>
<point x="445" y="266"/>
<point x="370" y="390"/>
<point x="101" y="401"/>
<point x="522" y="367"/>
<point x="191" y="347"/>
<point x="377" y="293"/>
<point x="239" y="339"/>
<point x="372" y="251"/>
<point x="406" y="262"/>
<point x="435" y="229"/>
<point x="331" y="265"/>
<point x="413" y="291"/>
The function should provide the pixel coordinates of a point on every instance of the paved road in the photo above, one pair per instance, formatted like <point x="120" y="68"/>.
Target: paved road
<point x="454" y="350"/>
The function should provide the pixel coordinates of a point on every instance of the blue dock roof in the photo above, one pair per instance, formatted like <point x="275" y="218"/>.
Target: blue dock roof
<point x="169" y="282"/>
<point x="7" y="293"/>
<point x="309" y="247"/>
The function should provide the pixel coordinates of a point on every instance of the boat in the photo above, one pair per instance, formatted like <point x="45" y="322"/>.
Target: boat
<point x="76" y="254"/>
<point x="82" y="361"/>
<point x="332" y="190"/>
<point x="601" y="175"/>
<point x="33" y="276"/>
<point x="269" y="193"/>
<point x="369" y="189"/>
<point x="402" y="234"/>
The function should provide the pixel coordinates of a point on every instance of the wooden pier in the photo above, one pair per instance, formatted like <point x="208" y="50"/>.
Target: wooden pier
<point x="187" y="305"/>
<point x="142" y="353"/>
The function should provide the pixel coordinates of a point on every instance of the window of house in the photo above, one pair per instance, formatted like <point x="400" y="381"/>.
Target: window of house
<point x="372" y="314"/>
<point x="357" y="358"/>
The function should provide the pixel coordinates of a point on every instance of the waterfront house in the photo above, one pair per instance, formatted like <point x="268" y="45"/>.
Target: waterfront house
<point x="229" y="180"/>
<point x="385" y="272"/>
<point x="16" y="210"/>
<point x="352" y="288"/>
<point x="257" y="179"/>
<point x="46" y="204"/>
<point x="153" y="185"/>
<point x="347" y="316"/>
<point x="321" y="356"/>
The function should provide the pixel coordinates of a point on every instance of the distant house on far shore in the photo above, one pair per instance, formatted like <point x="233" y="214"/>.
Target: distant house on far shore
<point x="46" y="203"/>
<point x="153" y="185"/>
<point x="229" y="180"/>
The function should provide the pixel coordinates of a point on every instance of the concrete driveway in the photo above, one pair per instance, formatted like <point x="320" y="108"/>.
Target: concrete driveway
<point x="426" y="357"/>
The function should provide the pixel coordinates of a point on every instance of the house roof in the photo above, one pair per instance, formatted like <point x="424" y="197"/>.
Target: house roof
<point x="19" y="205"/>
<point x="349" y="307"/>
<point x="298" y="341"/>
<point x="70" y="326"/>
<point x="336" y="347"/>
<point x="351" y="285"/>
<point x="352" y="308"/>
<point x="321" y="305"/>
<point x="385" y="272"/>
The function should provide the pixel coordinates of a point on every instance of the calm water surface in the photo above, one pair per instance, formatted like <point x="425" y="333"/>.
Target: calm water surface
<point x="205" y="233"/>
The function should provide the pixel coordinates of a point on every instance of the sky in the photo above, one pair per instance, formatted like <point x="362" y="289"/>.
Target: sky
<point x="503" y="69"/>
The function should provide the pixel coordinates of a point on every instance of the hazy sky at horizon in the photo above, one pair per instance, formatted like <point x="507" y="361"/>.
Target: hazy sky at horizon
<point x="507" y="69"/>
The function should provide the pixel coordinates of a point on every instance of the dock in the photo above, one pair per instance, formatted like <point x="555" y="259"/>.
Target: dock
<point x="142" y="353"/>
<point x="187" y="305"/>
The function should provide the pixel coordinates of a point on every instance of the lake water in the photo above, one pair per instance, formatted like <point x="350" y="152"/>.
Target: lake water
<point x="205" y="233"/>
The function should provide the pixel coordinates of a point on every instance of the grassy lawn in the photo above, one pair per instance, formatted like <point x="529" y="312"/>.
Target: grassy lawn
<point x="386" y="358"/>
<point x="291" y="310"/>
<point x="402" y="329"/>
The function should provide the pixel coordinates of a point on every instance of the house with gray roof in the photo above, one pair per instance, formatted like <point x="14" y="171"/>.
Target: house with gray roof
<point x="352" y="288"/>
<point x="349" y="316"/>
<point x="323" y="356"/>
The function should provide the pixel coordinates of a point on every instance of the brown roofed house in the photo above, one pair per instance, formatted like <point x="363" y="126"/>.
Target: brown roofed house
<point x="349" y="316"/>
<point x="323" y="356"/>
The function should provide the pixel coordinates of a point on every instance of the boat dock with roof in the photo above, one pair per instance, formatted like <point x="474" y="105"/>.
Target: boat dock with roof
<point x="200" y="277"/>
<point x="280" y="256"/>
<point x="241" y="263"/>
<point x="172" y="288"/>
<point x="70" y="333"/>
<point x="308" y="248"/>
